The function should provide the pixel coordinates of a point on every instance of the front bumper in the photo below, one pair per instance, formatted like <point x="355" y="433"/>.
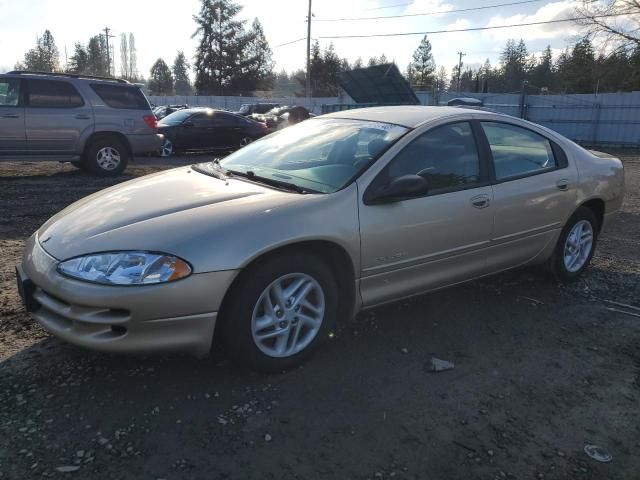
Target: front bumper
<point x="173" y="317"/>
<point x="141" y="144"/>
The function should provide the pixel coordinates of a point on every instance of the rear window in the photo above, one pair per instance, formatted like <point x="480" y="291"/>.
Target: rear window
<point x="52" y="94"/>
<point x="117" y="96"/>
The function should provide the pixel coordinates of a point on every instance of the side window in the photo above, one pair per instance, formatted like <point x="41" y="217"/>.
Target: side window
<point x="52" y="94"/>
<point x="446" y="156"/>
<point x="202" y="120"/>
<point x="121" y="96"/>
<point x="517" y="151"/>
<point x="9" y="92"/>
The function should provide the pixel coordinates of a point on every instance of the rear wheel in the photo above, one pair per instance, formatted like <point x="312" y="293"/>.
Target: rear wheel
<point x="107" y="156"/>
<point x="279" y="311"/>
<point x="575" y="246"/>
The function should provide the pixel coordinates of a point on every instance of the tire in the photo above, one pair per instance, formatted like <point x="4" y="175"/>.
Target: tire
<point x="567" y="263"/>
<point x="167" y="149"/>
<point x="107" y="157"/>
<point x="255" y="343"/>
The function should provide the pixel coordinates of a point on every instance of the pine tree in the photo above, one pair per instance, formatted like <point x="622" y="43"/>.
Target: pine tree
<point x="542" y="74"/>
<point x="161" y="80"/>
<point x="124" y="57"/>
<point x="256" y="63"/>
<point x="79" y="61"/>
<point x="181" y="75"/>
<point x="221" y="42"/>
<point x="441" y="80"/>
<point x="44" y="56"/>
<point x="97" y="63"/>
<point x="423" y="66"/>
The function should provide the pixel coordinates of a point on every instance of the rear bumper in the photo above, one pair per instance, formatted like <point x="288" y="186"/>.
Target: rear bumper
<point x="173" y="317"/>
<point x="141" y="144"/>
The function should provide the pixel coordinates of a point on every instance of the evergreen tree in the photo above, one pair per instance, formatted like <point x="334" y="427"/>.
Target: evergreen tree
<point x="161" y="80"/>
<point x="441" y="80"/>
<point x="577" y="69"/>
<point x="423" y="66"/>
<point x="542" y="75"/>
<point x="358" y="63"/>
<point x="256" y="63"/>
<point x="221" y="42"/>
<point x="124" y="57"/>
<point x="44" y="56"/>
<point x="515" y="65"/>
<point x="97" y="63"/>
<point x="79" y="61"/>
<point x="181" y="75"/>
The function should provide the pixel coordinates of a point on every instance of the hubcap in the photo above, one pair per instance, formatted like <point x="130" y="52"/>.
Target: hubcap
<point x="578" y="245"/>
<point x="245" y="141"/>
<point x="288" y="315"/>
<point x="167" y="148"/>
<point x="108" y="158"/>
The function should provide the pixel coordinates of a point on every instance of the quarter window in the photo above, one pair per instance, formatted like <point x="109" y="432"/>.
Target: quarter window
<point x="121" y="96"/>
<point x="446" y="156"/>
<point x="517" y="151"/>
<point x="52" y="94"/>
<point x="9" y="92"/>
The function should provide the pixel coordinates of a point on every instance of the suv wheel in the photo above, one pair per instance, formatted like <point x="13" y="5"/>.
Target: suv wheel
<point x="279" y="311"/>
<point x="107" y="156"/>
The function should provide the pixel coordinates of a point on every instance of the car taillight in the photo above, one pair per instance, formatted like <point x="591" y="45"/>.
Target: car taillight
<point x="152" y="121"/>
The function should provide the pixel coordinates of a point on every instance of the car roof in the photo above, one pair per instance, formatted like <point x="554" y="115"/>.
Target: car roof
<point x="405" y="115"/>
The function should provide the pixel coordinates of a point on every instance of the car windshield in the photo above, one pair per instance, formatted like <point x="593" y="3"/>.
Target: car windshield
<point x="175" y="118"/>
<point x="245" y="108"/>
<point x="319" y="155"/>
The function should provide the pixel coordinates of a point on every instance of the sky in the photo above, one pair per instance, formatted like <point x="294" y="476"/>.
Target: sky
<point x="161" y="27"/>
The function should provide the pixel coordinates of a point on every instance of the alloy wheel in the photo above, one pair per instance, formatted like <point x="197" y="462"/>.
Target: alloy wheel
<point x="288" y="315"/>
<point x="108" y="158"/>
<point x="578" y="245"/>
<point x="167" y="148"/>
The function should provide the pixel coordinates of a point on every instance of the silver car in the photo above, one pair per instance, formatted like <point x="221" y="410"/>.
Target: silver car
<point x="273" y="247"/>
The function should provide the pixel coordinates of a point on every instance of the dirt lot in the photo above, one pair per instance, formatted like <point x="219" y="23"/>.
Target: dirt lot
<point x="540" y="370"/>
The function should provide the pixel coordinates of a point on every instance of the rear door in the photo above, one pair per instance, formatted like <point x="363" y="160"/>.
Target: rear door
<point x="534" y="192"/>
<point x="121" y="107"/>
<point x="12" y="131"/>
<point x="56" y="116"/>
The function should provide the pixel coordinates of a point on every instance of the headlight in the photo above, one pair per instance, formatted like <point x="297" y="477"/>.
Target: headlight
<point x="126" y="268"/>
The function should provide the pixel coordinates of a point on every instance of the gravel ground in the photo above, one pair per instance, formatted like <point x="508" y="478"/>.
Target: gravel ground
<point x="540" y="370"/>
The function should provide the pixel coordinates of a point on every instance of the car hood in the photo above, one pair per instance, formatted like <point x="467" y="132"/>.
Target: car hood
<point x="174" y="211"/>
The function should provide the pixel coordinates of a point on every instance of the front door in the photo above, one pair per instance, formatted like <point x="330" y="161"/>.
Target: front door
<point x="419" y="244"/>
<point x="534" y="193"/>
<point x="56" y="117"/>
<point x="12" y="132"/>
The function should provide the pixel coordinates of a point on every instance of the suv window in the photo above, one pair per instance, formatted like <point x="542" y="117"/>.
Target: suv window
<point x="446" y="156"/>
<point x="52" y="94"/>
<point x="9" y="92"/>
<point x="119" y="96"/>
<point x="517" y="151"/>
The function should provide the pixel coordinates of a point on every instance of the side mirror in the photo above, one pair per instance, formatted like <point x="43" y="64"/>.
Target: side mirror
<point x="400" y="188"/>
<point x="187" y="124"/>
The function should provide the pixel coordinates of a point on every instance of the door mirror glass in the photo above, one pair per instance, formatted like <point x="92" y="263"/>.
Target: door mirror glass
<point x="399" y="188"/>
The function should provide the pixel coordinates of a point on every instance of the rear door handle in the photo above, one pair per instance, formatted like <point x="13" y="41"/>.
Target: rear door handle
<point x="563" y="184"/>
<point x="481" y="201"/>
<point x="82" y="116"/>
<point x="10" y="115"/>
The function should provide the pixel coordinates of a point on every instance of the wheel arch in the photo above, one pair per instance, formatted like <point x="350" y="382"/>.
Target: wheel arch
<point x="330" y="252"/>
<point x="108" y="134"/>
<point x="597" y="206"/>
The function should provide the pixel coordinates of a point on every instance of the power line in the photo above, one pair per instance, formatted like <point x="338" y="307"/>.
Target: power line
<point x="289" y="43"/>
<point x="473" y="29"/>
<point x="442" y="12"/>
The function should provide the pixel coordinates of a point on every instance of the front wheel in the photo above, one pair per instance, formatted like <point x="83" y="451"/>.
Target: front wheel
<point x="167" y="148"/>
<point x="575" y="246"/>
<point x="279" y="311"/>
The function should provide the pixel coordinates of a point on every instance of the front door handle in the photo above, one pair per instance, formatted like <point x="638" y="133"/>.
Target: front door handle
<point x="10" y="115"/>
<point x="481" y="201"/>
<point x="82" y="116"/>
<point x="563" y="184"/>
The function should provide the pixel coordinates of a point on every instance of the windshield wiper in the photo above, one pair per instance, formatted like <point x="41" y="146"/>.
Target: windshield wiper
<point x="251" y="175"/>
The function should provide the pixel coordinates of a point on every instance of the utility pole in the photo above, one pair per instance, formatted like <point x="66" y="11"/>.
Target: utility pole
<point x="460" y="55"/>
<point x="308" y="85"/>
<point x="107" y="36"/>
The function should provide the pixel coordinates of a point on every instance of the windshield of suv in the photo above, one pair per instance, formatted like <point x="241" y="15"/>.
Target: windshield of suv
<point x="175" y="118"/>
<point x="319" y="155"/>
